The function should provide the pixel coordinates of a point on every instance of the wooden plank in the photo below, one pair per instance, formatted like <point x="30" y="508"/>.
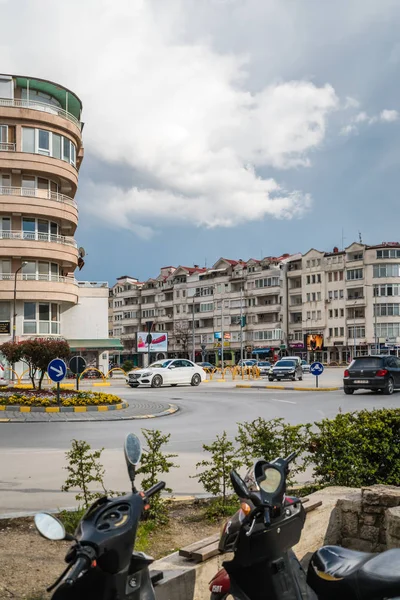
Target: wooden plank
<point x="304" y="500"/>
<point x="205" y="553"/>
<point x="187" y="551"/>
<point x="313" y="506"/>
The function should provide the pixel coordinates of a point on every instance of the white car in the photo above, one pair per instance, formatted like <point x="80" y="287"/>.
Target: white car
<point x="168" y="372"/>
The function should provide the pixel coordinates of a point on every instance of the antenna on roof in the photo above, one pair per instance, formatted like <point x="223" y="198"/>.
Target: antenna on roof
<point x="360" y="237"/>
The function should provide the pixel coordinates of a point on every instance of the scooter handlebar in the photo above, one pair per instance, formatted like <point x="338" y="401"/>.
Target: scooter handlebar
<point x="157" y="487"/>
<point x="81" y="564"/>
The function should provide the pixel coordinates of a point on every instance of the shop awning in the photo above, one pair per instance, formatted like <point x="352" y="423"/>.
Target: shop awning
<point x="96" y="344"/>
<point x="261" y="351"/>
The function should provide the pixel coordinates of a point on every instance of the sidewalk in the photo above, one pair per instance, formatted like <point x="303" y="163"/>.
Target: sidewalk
<point x="331" y="380"/>
<point x="140" y="409"/>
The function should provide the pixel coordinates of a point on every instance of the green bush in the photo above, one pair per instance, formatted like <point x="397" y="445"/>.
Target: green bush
<point x="272" y="438"/>
<point x="128" y="365"/>
<point x="357" y="449"/>
<point x="71" y="519"/>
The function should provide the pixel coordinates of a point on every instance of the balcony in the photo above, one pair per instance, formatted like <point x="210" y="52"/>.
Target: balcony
<point x="7" y="146"/>
<point x="38" y="237"/>
<point x="41" y="106"/>
<point x="52" y="288"/>
<point x="36" y="192"/>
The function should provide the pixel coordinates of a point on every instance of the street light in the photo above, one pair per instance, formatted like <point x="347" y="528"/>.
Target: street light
<point x="196" y="295"/>
<point x="23" y="264"/>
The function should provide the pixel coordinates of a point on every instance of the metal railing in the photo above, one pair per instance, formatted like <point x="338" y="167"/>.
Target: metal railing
<point x="93" y="284"/>
<point x="42" y="106"/>
<point x="37" y="193"/>
<point x="37" y="277"/>
<point x="7" y="146"/>
<point x="36" y="236"/>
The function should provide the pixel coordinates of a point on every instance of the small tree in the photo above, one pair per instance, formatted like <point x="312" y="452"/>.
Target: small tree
<point x="128" y="366"/>
<point x="36" y="353"/>
<point x="216" y="476"/>
<point x="182" y="335"/>
<point x="84" y="469"/>
<point x="154" y="463"/>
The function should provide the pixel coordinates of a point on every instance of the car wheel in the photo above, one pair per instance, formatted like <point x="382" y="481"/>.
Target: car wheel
<point x="156" y="382"/>
<point x="389" y="388"/>
<point x="196" y="379"/>
<point x="294" y="378"/>
<point x="270" y="378"/>
<point x="348" y="390"/>
<point x="174" y="384"/>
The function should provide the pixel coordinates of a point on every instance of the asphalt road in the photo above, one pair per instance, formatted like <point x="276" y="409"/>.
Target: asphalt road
<point x="31" y="469"/>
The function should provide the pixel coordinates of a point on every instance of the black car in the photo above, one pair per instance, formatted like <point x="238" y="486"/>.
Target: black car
<point x="377" y="373"/>
<point x="286" y="369"/>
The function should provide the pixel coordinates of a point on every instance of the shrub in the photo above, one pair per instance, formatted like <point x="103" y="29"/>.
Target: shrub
<point x="216" y="476"/>
<point x="128" y="366"/>
<point x="356" y="449"/>
<point x="71" y="519"/>
<point x="13" y="396"/>
<point x="84" y="469"/>
<point x="272" y="438"/>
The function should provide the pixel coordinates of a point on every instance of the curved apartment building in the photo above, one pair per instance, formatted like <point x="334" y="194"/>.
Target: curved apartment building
<point x="41" y="152"/>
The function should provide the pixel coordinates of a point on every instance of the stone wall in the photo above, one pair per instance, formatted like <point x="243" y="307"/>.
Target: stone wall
<point x="370" y="520"/>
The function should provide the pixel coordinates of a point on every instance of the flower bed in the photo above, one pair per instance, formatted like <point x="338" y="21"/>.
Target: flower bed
<point x="14" y="397"/>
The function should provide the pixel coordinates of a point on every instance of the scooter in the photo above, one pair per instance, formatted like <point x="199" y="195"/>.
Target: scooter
<point x="261" y="535"/>
<point x="101" y="563"/>
<point x="264" y="567"/>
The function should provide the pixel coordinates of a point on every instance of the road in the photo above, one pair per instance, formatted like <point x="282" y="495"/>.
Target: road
<point x="33" y="454"/>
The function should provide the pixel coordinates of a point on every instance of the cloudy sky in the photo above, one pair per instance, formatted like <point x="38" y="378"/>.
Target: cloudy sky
<point x="236" y="128"/>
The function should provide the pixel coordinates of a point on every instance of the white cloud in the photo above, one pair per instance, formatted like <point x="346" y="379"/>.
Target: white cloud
<point x="179" y="113"/>
<point x="389" y="115"/>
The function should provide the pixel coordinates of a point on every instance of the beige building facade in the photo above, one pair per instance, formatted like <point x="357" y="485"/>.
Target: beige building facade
<point x="41" y="151"/>
<point x="326" y="306"/>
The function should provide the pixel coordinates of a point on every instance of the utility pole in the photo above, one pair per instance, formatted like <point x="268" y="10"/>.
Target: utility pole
<point x="376" y="323"/>
<point x="241" y="324"/>
<point x="222" y="331"/>
<point x="193" y="337"/>
<point x="354" y="329"/>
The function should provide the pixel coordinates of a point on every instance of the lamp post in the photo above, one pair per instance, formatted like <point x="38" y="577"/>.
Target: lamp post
<point x="241" y="325"/>
<point x="354" y="328"/>
<point x="193" y="336"/>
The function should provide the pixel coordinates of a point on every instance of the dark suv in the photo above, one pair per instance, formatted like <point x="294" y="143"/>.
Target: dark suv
<point x="378" y="373"/>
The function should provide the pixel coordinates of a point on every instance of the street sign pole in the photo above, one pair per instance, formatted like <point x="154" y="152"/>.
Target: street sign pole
<point x="56" y="370"/>
<point x="316" y="381"/>
<point x="316" y="369"/>
<point x="58" y="393"/>
<point x="77" y="382"/>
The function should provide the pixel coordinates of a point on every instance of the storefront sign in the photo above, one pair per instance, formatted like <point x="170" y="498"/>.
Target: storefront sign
<point x="299" y="345"/>
<point x="5" y="327"/>
<point x="314" y="341"/>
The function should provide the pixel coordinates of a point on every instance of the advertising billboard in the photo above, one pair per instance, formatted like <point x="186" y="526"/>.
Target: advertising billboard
<point x="159" y="342"/>
<point x="217" y="335"/>
<point x="314" y="341"/>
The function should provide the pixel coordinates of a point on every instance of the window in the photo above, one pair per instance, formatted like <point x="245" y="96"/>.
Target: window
<point x="342" y="331"/>
<point x="389" y="289"/>
<point x="308" y="279"/>
<point x="388" y="330"/>
<point x="206" y="307"/>
<point x="330" y="332"/>
<point x="336" y="313"/>
<point x="313" y="297"/>
<point x="308" y="264"/>
<point x="313" y="278"/>
<point x="42" y="141"/>
<point x="5" y="270"/>
<point x="341" y="294"/>
<point x="336" y="331"/>
<point x="41" y="318"/>
<point x="273" y="334"/>
<point x="308" y="297"/>
<point x="331" y="314"/>
<point x="387" y="310"/>
<point x="342" y="312"/>
<point x="330" y="295"/>
<point x="358" y="331"/>
<point x="318" y="296"/>
<point x="150" y="313"/>
<point x="5" y="314"/>
<point x="319" y="279"/>
<point x="341" y="275"/>
<point x="308" y="315"/>
<point x="387" y="270"/>
<point x="336" y="294"/>
<point x="356" y="313"/>
<point x="267" y="282"/>
<point x="355" y="274"/>
<point x="318" y="262"/>
<point x="313" y="262"/>
<point x="319" y="315"/>
<point x="39" y="229"/>
<point x="389" y="253"/>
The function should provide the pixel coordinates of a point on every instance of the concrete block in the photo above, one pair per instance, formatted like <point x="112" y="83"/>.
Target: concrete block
<point x="356" y="544"/>
<point x="349" y="524"/>
<point x="371" y="534"/>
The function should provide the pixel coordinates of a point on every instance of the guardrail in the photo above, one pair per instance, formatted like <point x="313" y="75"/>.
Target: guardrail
<point x="7" y="147"/>
<point x="36" y="193"/>
<point x="36" y="277"/>
<point x="36" y="236"/>
<point x="42" y="106"/>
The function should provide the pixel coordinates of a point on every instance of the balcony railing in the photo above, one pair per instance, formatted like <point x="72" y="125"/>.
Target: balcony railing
<point x="93" y="284"/>
<point x="42" y="106"/>
<point x="7" y="146"/>
<point x="37" y="277"/>
<point x="37" y="237"/>
<point x="37" y="193"/>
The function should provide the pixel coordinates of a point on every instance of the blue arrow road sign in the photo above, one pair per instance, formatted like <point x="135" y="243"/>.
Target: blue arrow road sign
<point x="57" y="370"/>
<point x="317" y="368"/>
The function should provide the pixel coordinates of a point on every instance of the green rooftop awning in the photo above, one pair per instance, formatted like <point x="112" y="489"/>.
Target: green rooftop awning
<point x="69" y="101"/>
<point x="99" y="344"/>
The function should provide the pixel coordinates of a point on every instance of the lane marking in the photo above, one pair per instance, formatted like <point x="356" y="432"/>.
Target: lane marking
<point x="284" y="401"/>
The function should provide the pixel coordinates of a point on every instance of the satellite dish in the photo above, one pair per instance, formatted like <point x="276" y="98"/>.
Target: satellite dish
<point x="82" y="252"/>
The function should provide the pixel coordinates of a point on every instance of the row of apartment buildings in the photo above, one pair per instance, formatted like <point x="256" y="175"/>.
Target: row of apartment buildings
<point x="324" y="306"/>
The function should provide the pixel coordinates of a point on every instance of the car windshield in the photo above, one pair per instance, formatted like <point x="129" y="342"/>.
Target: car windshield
<point x="304" y="362"/>
<point x="366" y="363"/>
<point x="161" y="364"/>
<point x="285" y="363"/>
<point x="263" y="364"/>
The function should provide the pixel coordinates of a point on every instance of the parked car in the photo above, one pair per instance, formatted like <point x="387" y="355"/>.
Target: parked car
<point x="305" y="366"/>
<point x="170" y="372"/>
<point x="248" y="362"/>
<point x="377" y="373"/>
<point x="286" y="369"/>
<point x="206" y="365"/>
<point x="264" y="367"/>
<point x="295" y="358"/>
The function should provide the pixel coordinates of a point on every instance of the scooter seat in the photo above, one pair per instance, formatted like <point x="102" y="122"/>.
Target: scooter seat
<point x="342" y="574"/>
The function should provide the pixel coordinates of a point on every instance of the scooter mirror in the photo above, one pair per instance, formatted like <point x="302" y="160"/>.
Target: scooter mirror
<point x="49" y="527"/>
<point x="133" y="453"/>
<point x="239" y="485"/>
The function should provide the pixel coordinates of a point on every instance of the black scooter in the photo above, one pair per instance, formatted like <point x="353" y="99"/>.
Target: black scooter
<point x="102" y="564"/>
<point x="261" y="535"/>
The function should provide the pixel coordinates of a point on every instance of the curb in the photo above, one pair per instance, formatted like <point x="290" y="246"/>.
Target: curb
<point x="173" y="408"/>
<point x="291" y="389"/>
<point x="58" y="409"/>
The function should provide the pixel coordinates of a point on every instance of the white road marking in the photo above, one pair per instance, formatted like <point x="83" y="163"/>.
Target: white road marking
<point x="285" y="401"/>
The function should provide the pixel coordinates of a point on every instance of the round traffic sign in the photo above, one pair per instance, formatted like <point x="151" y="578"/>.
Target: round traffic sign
<point x="56" y="370"/>
<point x="316" y="368"/>
<point x="77" y="365"/>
